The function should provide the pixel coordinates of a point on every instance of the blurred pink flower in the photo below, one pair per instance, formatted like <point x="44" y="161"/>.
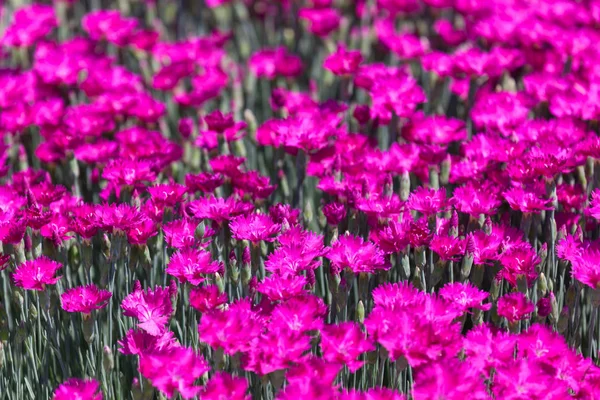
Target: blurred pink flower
<point x="76" y="388"/>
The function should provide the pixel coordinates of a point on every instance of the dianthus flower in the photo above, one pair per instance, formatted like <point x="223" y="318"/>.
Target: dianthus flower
<point x="277" y="288"/>
<point x="586" y="267"/>
<point x="475" y="199"/>
<point x="343" y="62"/>
<point x="138" y="342"/>
<point x="334" y="213"/>
<point x="167" y="195"/>
<point x="207" y="298"/>
<point x="232" y="329"/>
<point x="109" y="25"/>
<point x="526" y="201"/>
<point x="174" y="371"/>
<point x="85" y="299"/>
<point x="434" y="129"/>
<point x="464" y="296"/>
<point x="78" y="389"/>
<point x="520" y="261"/>
<point x="36" y="274"/>
<point x="225" y="386"/>
<point x="218" y="209"/>
<point x="321" y="22"/>
<point x="353" y="253"/>
<point x="180" y="233"/>
<point x="30" y="24"/>
<point x="515" y="306"/>
<point x="57" y="230"/>
<point x="270" y="63"/>
<point x="449" y="379"/>
<point x="275" y="350"/>
<point x="203" y="182"/>
<point x="448" y="247"/>
<point x="344" y="343"/>
<point x="191" y="265"/>
<point x="394" y="237"/>
<point x="152" y="308"/>
<point x="254" y="228"/>
<point x="593" y="209"/>
<point x="427" y="201"/>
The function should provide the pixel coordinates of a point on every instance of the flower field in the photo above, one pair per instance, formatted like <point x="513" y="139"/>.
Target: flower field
<point x="300" y="199"/>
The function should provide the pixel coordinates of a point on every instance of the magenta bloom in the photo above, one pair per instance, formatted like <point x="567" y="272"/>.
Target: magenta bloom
<point x="254" y="228"/>
<point x="353" y="253"/>
<point x="343" y="62"/>
<point x="138" y="342"/>
<point x="449" y="379"/>
<point x="207" y="298"/>
<point x="427" y="201"/>
<point x="321" y="22"/>
<point x="167" y="195"/>
<point x="152" y="308"/>
<point x="174" y="371"/>
<point x="515" y="306"/>
<point x="75" y="389"/>
<point x="585" y="265"/>
<point x="593" y="209"/>
<point x="344" y="343"/>
<point x="36" y="274"/>
<point x="464" y="296"/>
<point x="224" y="386"/>
<point x="270" y="63"/>
<point x="475" y="199"/>
<point x="85" y="299"/>
<point x="526" y="201"/>
<point x="109" y="25"/>
<point x="232" y="329"/>
<point x="519" y="262"/>
<point x="30" y="24"/>
<point x="190" y="265"/>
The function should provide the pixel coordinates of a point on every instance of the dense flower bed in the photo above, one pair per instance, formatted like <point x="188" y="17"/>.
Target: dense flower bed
<point x="300" y="199"/>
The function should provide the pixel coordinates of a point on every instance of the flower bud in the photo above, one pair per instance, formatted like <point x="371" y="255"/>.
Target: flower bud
<point x="108" y="360"/>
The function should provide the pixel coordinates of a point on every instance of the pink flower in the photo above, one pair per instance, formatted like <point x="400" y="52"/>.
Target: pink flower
<point x="75" y="389"/>
<point x="30" y="24"/>
<point x="475" y="199"/>
<point x="586" y="266"/>
<point x="254" y="228"/>
<point x="218" y="209"/>
<point x="427" y="201"/>
<point x="180" y="233"/>
<point x="448" y="379"/>
<point x="277" y="288"/>
<point x="321" y="22"/>
<point x="85" y="299"/>
<point x="109" y="25"/>
<point x="448" y="247"/>
<point x="189" y="265"/>
<point x="356" y="255"/>
<point x="152" y="308"/>
<point x="515" y="306"/>
<point x="207" y="298"/>
<point x="137" y="342"/>
<point x="224" y="386"/>
<point x="593" y="209"/>
<point x="464" y="296"/>
<point x="270" y="63"/>
<point x="203" y="182"/>
<point x="167" y="195"/>
<point x="232" y="329"/>
<point x="526" y="201"/>
<point x="174" y="371"/>
<point x="36" y="274"/>
<point x="344" y="343"/>
<point x="343" y="62"/>
<point x="520" y="261"/>
<point x="334" y="213"/>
